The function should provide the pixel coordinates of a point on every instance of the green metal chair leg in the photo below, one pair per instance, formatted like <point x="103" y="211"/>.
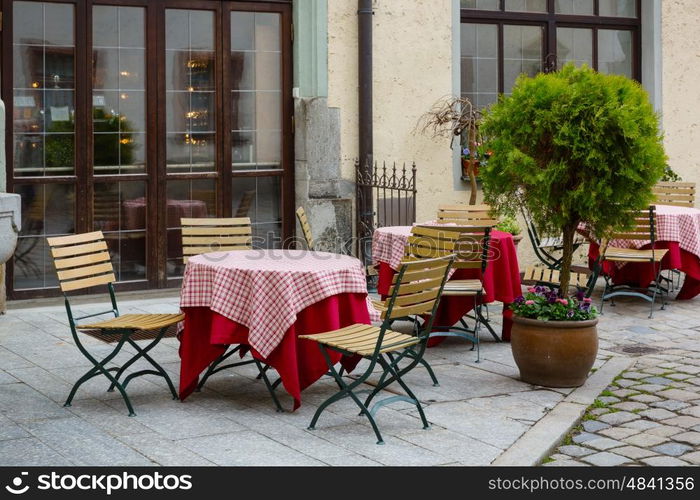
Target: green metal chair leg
<point x="270" y="387"/>
<point x="158" y="371"/>
<point x="99" y="368"/>
<point x="399" y="380"/>
<point x="143" y="353"/>
<point x="216" y="367"/>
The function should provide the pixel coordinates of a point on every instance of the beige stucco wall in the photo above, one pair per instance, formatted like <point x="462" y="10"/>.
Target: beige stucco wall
<point x="412" y="69"/>
<point x="680" y="50"/>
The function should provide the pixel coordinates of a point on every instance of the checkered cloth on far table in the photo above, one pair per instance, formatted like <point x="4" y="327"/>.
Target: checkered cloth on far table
<point x="265" y="289"/>
<point x="389" y="245"/>
<point x="681" y="224"/>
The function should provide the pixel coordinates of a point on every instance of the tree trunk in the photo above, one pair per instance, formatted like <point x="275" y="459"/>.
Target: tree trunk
<point x="470" y="167"/>
<point x="567" y="257"/>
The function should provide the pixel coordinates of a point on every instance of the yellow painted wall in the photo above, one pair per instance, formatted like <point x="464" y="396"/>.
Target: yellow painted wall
<point x="681" y="95"/>
<point x="412" y="69"/>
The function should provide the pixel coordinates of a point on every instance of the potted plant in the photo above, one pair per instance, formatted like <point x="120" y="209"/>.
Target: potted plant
<point x="573" y="147"/>
<point x="509" y="224"/>
<point x="457" y="118"/>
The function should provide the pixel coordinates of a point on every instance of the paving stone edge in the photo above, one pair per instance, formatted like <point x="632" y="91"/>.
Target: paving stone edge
<point x="543" y="437"/>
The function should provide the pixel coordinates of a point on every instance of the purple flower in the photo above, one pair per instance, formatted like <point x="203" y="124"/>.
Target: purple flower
<point x="570" y="313"/>
<point x="539" y="289"/>
<point x="465" y="152"/>
<point x="519" y="300"/>
<point x="580" y="295"/>
<point x="551" y="297"/>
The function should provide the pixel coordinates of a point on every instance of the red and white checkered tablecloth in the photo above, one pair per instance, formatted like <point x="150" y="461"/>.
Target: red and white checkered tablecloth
<point x="681" y="224"/>
<point x="265" y="289"/>
<point x="389" y="245"/>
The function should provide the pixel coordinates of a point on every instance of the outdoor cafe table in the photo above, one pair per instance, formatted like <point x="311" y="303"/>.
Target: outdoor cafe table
<point x="265" y="299"/>
<point x="678" y="230"/>
<point x="501" y="279"/>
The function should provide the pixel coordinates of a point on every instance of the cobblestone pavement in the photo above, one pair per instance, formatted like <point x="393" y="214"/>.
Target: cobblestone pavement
<point x="650" y="414"/>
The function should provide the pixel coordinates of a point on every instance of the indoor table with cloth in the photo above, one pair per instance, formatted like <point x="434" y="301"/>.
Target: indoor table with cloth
<point x="678" y="231"/>
<point x="265" y="299"/>
<point x="501" y="279"/>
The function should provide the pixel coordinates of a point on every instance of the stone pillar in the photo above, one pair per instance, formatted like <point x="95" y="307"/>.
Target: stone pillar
<point x="319" y="187"/>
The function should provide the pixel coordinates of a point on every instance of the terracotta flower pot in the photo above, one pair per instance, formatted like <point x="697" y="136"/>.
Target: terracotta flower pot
<point x="465" y="168"/>
<point x="554" y="353"/>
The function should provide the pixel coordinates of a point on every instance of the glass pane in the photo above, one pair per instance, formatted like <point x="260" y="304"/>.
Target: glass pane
<point x="120" y="213"/>
<point x="615" y="52"/>
<point x="575" y="45"/>
<point x="618" y="8"/>
<point x="259" y="198"/>
<point x="256" y="97"/>
<point x="119" y="91"/>
<point x="186" y="198"/>
<point x="480" y="4"/>
<point x="190" y="83"/>
<point x="526" y="5"/>
<point x="479" y="62"/>
<point x="43" y="81"/>
<point x="522" y="53"/>
<point x="47" y="210"/>
<point x="579" y="7"/>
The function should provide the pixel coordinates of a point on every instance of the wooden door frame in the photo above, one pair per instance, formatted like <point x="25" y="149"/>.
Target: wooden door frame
<point x="155" y="177"/>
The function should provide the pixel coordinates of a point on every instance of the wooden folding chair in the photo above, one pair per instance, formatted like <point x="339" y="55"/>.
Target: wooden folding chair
<point x="545" y="247"/>
<point x="416" y="291"/>
<point x="680" y="194"/>
<point x="206" y="235"/>
<point x="644" y="229"/>
<point x="305" y="228"/>
<point x="581" y="278"/>
<point x="472" y="215"/>
<point x="82" y="261"/>
<point x="470" y="245"/>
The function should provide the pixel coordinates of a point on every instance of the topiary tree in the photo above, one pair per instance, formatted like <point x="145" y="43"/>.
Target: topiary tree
<point x="573" y="146"/>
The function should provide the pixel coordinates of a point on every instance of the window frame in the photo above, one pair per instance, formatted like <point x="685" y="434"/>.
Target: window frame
<point x="551" y="22"/>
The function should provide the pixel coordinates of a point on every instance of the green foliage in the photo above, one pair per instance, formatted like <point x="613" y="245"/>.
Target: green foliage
<point x="508" y="224"/>
<point x="670" y="175"/>
<point x="107" y="148"/>
<point x="573" y="146"/>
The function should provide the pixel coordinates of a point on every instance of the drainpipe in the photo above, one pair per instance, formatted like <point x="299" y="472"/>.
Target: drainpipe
<point x="364" y="65"/>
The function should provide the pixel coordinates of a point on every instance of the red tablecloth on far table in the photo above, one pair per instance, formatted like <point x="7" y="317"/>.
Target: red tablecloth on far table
<point x="265" y="299"/>
<point x="501" y="278"/>
<point x="678" y="230"/>
<point x="641" y="274"/>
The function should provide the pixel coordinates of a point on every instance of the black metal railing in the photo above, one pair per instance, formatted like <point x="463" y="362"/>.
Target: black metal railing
<point x="385" y="197"/>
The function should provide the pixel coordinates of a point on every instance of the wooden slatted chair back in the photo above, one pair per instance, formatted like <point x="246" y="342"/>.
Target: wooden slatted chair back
<point x="535" y="275"/>
<point x="643" y="228"/>
<point x="476" y="215"/>
<point x="681" y="194"/>
<point x="416" y="287"/>
<point x="469" y="244"/>
<point x="203" y="235"/>
<point x="81" y="261"/>
<point x="305" y="227"/>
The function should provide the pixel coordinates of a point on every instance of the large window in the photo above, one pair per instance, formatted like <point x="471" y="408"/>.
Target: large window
<point x="126" y="115"/>
<point x="501" y="39"/>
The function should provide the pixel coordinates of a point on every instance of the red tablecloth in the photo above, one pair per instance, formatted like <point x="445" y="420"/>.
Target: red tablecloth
<point x="299" y="363"/>
<point x="641" y="274"/>
<point x="501" y="282"/>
